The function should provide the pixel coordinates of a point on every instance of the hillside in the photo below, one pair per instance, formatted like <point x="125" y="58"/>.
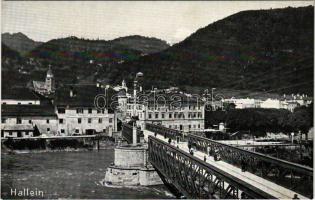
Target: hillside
<point x="270" y="51"/>
<point x="263" y="50"/>
<point x="19" y="42"/>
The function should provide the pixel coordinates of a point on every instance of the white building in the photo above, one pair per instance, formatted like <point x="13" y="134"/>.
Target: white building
<point x="183" y="113"/>
<point x="28" y="120"/>
<point x="244" y="103"/>
<point x="78" y="114"/>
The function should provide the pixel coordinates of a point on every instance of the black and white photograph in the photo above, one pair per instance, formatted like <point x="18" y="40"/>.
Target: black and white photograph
<point x="157" y="99"/>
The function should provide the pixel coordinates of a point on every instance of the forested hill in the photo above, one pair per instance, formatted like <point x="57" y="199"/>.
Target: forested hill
<point x="264" y="50"/>
<point x="19" y="42"/>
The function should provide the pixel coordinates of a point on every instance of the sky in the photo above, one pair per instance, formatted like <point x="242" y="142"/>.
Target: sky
<point x="171" y="21"/>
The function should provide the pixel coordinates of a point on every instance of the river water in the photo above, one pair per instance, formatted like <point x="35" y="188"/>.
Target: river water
<point x="68" y="175"/>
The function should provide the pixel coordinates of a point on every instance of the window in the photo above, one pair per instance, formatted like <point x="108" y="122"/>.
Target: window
<point x="110" y="120"/>
<point x="189" y="126"/>
<point x="62" y="130"/>
<point x="100" y="120"/>
<point x="99" y="111"/>
<point x="170" y="115"/>
<point x="79" y="110"/>
<point x="150" y="115"/>
<point x="2" y="134"/>
<point x="4" y="103"/>
<point x="19" y="103"/>
<point x="60" y="121"/>
<point x="198" y="125"/>
<point x="48" y="129"/>
<point x="47" y="121"/>
<point x="90" y="110"/>
<point x="30" y="103"/>
<point x="77" y="131"/>
<point x="61" y="110"/>
<point x="18" y="121"/>
<point x="79" y="120"/>
<point x="156" y="115"/>
<point x="29" y="121"/>
<point x="10" y="133"/>
<point x="170" y="126"/>
<point x="26" y="133"/>
<point x="89" y="120"/>
<point x="162" y="115"/>
<point x="3" y="120"/>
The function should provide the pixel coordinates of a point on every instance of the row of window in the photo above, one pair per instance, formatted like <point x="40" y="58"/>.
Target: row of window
<point x="100" y="120"/>
<point x="80" y="111"/>
<point x="176" y="115"/>
<point x="179" y="107"/>
<point x="61" y="121"/>
<point x="19" y="103"/>
<point x="76" y="130"/>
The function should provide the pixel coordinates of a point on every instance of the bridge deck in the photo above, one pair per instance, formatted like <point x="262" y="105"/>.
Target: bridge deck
<point x="263" y="184"/>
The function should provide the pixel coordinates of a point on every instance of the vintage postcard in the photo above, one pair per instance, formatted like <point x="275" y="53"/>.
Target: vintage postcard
<point x="157" y="99"/>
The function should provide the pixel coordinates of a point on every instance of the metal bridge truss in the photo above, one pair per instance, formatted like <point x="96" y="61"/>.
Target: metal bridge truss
<point x="166" y="132"/>
<point x="195" y="178"/>
<point x="293" y="176"/>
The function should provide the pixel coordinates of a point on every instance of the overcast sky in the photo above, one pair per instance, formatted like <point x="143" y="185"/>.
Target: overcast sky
<point x="167" y="20"/>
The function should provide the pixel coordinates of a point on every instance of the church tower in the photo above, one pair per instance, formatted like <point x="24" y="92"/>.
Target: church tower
<point x="50" y="81"/>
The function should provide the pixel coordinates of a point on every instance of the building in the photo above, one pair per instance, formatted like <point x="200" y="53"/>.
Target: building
<point x="23" y="114"/>
<point x="78" y="113"/>
<point x="28" y="120"/>
<point x="244" y="103"/>
<point x="172" y="110"/>
<point x="19" y="96"/>
<point x="46" y="87"/>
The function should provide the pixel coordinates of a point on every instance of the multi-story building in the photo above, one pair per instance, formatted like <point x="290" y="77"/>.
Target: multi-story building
<point x="176" y="111"/>
<point x="78" y="113"/>
<point x="23" y="114"/>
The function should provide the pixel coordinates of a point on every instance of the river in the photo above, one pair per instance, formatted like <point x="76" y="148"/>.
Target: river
<point x="68" y="175"/>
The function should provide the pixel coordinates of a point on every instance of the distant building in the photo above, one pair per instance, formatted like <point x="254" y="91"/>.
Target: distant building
<point x="244" y="103"/>
<point x="78" y="114"/>
<point x="123" y="86"/>
<point x="271" y="103"/>
<point x="46" y="87"/>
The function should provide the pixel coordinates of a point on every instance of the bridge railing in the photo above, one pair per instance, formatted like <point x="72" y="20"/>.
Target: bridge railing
<point x="164" y="131"/>
<point x="127" y="133"/>
<point x="293" y="176"/>
<point x="195" y="178"/>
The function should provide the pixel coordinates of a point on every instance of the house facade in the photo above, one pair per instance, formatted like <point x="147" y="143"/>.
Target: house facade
<point x="78" y="114"/>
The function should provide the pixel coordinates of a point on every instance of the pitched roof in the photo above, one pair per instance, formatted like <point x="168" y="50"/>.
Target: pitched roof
<point x="28" y="111"/>
<point x="19" y="94"/>
<point x="83" y="96"/>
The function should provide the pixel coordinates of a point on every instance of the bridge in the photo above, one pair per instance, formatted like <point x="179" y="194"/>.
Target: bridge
<point x="265" y="177"/>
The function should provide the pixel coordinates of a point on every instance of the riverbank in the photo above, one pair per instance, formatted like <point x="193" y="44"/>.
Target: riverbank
<point x="40" y="145"/>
